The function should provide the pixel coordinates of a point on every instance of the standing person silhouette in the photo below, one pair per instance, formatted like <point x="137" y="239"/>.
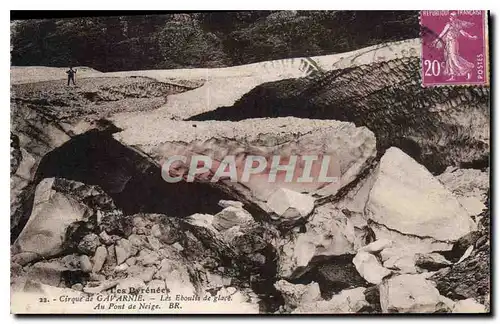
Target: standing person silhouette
<point x="71" y="75"/>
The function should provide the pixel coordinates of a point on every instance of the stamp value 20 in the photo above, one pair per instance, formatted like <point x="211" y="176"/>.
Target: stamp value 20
<point x="454" y="47"/>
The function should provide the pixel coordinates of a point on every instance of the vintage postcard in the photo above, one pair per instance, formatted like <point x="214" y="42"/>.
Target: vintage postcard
<point x="454" y="47"/>
<point x="250" y="162"/>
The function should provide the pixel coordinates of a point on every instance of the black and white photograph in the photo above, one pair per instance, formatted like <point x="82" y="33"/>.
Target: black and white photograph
<point x="250" y="162"/>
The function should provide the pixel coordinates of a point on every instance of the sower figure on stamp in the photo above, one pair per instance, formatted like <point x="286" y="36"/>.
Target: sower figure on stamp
<point x="455" y="65"/>
<point x="71" y="75"/>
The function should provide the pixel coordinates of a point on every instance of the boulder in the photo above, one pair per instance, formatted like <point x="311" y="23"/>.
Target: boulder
<point x="347" y="302"/>
<point x="410" y="294"/>
<point x="139" y="224"/>
<point x="96" y="277"/>
<point x="471" y="187"/>
<point x="201" y="220"/>
<point x="105" y="238"/>
<point x="54" y="210"/>
<point x="250" y="239"/>
<point x="230" y="203"/>
<point x="201" y="235"/>
<point x="89" y="244"/>
<point x="147" y="257"/>
<point x="85" y="263"/>
<point x="71" y="261"/>
<point x="49" y="273"/>
<point x="289" y="205"/>
<point x="56" y="272"/>
<point x="337" y="274"/>
<point x="369" y="267"/>
<point x="231" y="216"/>
<point x="468" y="306"/>
<point x="131" y="261"/>
<point x="401" y="263"/>
<point x="155" y="230"/>
<point x="377" y="246"/>
<point x="77" y="287"/>
<point x="99" y="258"/>
<point x="111" y="256"/>
<point x="431" y="261"/>
<point x="298" y="294"/>
<point x="123" y="250"/>
<point x="137" y="241"/>
<point x="327" y="233"/>
<point x="63" y="212"/>
<point x="121" y="268"/>
<point x="176" y="276"/>
<point x="406" y="198"/>
<point x="154" y="243"/>
<point x="178" y="246"/>
<point x="406" y="245"/>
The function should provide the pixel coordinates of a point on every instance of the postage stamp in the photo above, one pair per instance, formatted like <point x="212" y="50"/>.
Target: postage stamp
<point x="454" y="47"/>
<point x="248" y="162"/>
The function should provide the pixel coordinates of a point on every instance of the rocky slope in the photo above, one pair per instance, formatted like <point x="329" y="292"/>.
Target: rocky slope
<point x="91" y="213"/>
<point x="56" y="131"/>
